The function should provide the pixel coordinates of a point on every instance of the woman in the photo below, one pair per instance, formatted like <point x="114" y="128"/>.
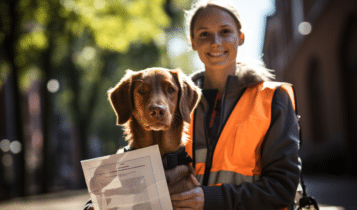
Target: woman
<point x="244" y="131"/>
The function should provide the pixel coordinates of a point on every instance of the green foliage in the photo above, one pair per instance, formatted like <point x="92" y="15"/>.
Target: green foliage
<point x="89" y="44"/>
<point x="33" y="39"/>
<point x="116" y="24"/>
<point x="4" y="18"/>
<point x="29" y="76"/>
<point x="60" y="49"/>
<point x="4" y="71"/>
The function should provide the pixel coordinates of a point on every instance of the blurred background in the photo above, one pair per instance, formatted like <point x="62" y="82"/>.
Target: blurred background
<point x="58" y="58"/>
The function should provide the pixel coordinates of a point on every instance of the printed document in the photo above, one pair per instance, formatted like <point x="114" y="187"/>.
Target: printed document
<point x="128" y="181"/>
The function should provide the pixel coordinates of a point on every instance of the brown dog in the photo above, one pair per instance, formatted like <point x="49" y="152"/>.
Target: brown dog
<point x="155" y="106"/>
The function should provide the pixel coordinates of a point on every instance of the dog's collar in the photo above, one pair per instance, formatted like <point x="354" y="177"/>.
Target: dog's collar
<point x="171" y="160"/>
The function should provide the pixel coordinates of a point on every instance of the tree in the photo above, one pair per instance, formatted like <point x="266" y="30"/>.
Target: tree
<point x="72" y="40"/>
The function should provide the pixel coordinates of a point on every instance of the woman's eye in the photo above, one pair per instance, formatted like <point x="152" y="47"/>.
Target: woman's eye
<point x="170" y="90"/>
<point x="226" y="31"/>
<point x="142" y="91"/>
<point x="203" y="34"/>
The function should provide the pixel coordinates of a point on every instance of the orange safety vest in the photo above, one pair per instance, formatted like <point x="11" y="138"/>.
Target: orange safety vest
<point x="236" y="158"/>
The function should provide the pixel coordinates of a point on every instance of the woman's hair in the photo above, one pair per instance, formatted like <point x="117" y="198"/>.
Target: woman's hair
<point x="199" y="5"/>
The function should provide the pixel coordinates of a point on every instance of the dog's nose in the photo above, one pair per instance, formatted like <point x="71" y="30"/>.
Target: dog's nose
<point x="157" y="111"/>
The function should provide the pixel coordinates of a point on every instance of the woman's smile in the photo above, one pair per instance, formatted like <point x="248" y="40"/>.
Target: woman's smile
<point x="217" y="54"/>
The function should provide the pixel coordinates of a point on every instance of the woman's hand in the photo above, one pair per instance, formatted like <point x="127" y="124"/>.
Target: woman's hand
<point x="192" y="199"/>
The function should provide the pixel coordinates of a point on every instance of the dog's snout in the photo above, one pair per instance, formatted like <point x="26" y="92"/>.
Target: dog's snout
<point x="157" y="111"/>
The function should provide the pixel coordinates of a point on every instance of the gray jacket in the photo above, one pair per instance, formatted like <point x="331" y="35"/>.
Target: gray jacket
<point x="276" y="187"/>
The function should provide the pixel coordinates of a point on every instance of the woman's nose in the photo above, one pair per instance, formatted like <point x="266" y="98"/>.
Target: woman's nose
<point x="216" y="39"/>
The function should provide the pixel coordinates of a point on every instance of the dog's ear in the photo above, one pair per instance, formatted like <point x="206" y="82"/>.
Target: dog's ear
<point x="120" y="98"/>
<point x="190" y="95"/>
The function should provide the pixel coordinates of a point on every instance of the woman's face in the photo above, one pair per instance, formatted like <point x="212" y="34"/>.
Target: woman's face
<point x="216" y="38"/>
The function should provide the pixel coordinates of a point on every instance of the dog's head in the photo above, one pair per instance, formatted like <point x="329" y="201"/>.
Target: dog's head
<point x="155" y="97"/>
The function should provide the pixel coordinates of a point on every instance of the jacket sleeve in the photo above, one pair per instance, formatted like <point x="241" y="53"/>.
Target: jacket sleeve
<point x="280" y="163"/>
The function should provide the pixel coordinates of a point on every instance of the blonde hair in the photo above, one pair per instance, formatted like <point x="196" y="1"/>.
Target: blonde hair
<point x="199" y="5"/>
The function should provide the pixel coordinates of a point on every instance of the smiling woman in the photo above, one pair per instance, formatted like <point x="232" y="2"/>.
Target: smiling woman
<point x="244" y="130"/>
<point x="216" y="36"/>
<point x="252" y="15"/>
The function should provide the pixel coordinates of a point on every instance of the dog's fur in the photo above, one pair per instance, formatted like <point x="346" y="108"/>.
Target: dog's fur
<point x="155" y="105"/>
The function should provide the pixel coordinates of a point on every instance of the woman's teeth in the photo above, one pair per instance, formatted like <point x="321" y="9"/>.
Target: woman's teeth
<point x="216" y="54"/>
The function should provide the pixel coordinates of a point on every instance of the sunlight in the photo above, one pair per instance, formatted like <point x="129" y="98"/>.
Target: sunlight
<point x="305" y="28"/>
<point x="5" y="145"/>
<point x="53" y="85"/>
<point x="15" y="147"/>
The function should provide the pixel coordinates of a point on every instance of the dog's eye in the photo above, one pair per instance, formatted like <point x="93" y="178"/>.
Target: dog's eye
<point x="170" y="90"/>
<point x="142" y="91"/>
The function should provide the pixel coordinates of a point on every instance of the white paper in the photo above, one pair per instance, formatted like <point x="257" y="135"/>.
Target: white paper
<point x="128" y="181"/>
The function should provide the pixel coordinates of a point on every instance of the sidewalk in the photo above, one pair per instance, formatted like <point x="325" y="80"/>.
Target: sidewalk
<point x="333" y="193"/>
<point x="66" y="200"/>
<point x="333" y="190"/>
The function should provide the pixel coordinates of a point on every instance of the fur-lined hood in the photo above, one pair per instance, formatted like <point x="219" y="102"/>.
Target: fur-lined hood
<point x="248" y="74"/>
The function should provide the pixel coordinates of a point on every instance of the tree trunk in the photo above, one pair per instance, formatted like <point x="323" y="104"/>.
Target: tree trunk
<point x="10" y="49"/>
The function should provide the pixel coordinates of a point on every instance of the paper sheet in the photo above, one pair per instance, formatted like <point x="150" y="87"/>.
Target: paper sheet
<point x="128" y="181"/>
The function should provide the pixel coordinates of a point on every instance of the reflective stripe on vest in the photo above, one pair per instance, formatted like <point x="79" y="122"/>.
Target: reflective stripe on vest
<point x="237" y="154"/>
<point x="226" y="177"/>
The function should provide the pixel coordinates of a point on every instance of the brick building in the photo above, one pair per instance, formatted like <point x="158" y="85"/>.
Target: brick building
<point x="313" y="45"/>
